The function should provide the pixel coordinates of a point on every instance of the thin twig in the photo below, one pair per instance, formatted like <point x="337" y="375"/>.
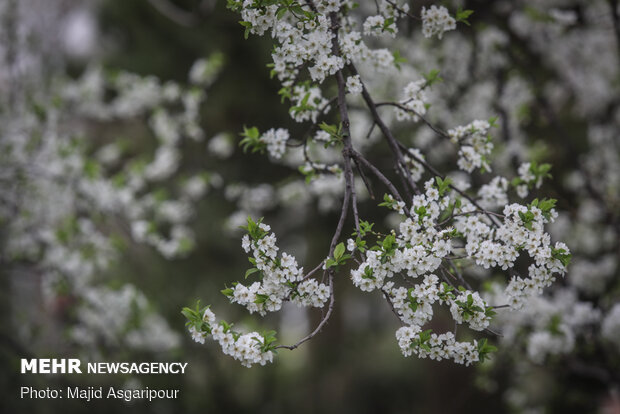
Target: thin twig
<point x="392" y="142"/>
<point x="435" y="129"/>
<point x="323" y="320"/>
<point x="359" y="157"/>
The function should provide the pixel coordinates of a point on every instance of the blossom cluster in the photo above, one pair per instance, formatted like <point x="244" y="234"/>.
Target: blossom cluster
<point x="354" y="85"/>
<point x="416" y="169"/>
<point x="275" y="139"/>
<point x="281" y="278"/>
<point x="304" y="39"/>
<point x="436" y="21"/>
<point x="475" y="145"/>
<point x="377" y="25"/>
<point x="412" y="340"/>
<point x="414" y="101"/>
<point x="421" y="247"/>
<point x="249" y="348"/>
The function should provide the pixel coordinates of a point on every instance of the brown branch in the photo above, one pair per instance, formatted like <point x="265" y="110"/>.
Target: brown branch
<point x="359" y="157"/>
<point x="400" y="10"/>
<point x="389" y="300"/>
<point x="366" y="182"/>
<point x="349" y="192"/>
<point x="313" y="271"/>
<point x="392" y="142"/>
<point x="435" y="129"/>
<point x="323" y="320"/>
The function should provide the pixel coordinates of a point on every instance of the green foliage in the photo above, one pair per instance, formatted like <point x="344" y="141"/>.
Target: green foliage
<point x="248" y="27"/>
<point x="446" y="294"/>
<point x="365" y="228"/>
<point x="369" y="273"/>
<point x="422" y="340"/>
<point x="260" y="298"/>
<point x="443" y="185"/>
<point x="447" y="213"/>
<point x="303" y="105"/>
<point x="537" y="15"/>
<point x="251" y="271"/>
<point x="388" y="201"/>
<point x="484" y="349"/>
<point x="334" y="131"/>
<point x="339" y="258"/>
<point x="463" y="15"/>
<point x="268" y="341"/>
<point x="562" y="255"/>
<point x="195" y="318"/>
<point x="421" y="213"/>
<point x="545" y="206"/>
<point x="284" y="92"/>
<point x="253" y="229"/>
<point x="432" y="77"/>
<point x="388" y="247"/>
<point x="528" y="219"/>
<point x="538" y="171"/>
<point x="251" y="140"/>
<point x="413" y="300"/>
<point x="308" y="172"/>
<point x="398" y="59"/>
<point x="489" y="312"/>
<point x="468" y="309"/>
<point x="186" y="245"/>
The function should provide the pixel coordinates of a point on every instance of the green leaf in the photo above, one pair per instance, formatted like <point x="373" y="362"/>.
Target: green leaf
<point x="250" y="271"/>
<point x="516" y="181"/>
<point x="261" y="298"/>
<point x="368" y="273"/>
<point x="432" y="77"/>
<point x="248" y="27"/>
<point x="443" y="185"/>
<point x="490" y="312"/>
<point x="463" y="15"/>
<point x="188" y="313"/>
<point x="484" y="349"/>
<point x="339" y="251"/>
<point x="562" y="255"/>
<point x="280" y="13"/>
<point x="398" y="59"/>
<point x="251" y="140"/>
